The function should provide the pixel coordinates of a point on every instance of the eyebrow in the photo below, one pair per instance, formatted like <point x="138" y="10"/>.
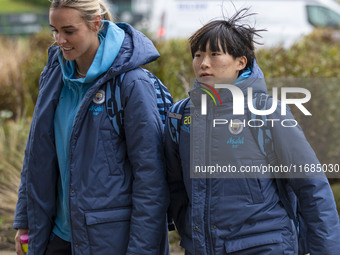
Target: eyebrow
<point x="64" y="27"/>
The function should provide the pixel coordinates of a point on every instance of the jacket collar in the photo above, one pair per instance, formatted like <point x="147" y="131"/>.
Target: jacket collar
<point x="255" y="81"/>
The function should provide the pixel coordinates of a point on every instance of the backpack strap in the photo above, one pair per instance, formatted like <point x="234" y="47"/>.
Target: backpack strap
<point x="114" y="103"/>
<point x="264" y="139"/>
<point x="175" y="119"/>
<point x="164" y="98"/>
<point x="263" y="134"/>
<point x="175" y="116"/>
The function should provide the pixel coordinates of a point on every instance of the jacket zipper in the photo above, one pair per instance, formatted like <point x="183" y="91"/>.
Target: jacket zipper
<point x="210" y="250"/>
<point x="81" y="113"/>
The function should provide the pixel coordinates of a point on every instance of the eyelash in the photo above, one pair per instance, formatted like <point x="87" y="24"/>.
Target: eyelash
<point x="214" y="54"/>
<point x="54" y="31"/>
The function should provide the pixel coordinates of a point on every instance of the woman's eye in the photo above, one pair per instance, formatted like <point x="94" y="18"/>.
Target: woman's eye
<point x="197" y="55"/>
<point x="69" y="32"/>
<point x="215" y="53"/>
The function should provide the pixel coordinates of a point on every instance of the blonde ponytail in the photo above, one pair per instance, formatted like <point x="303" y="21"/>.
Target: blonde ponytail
<point x="106" y="15"/>
<point x="89" y="9"/>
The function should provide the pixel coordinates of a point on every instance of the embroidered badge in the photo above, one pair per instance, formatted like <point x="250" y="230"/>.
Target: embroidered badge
<point x="236" y="126"/>
<point x="99" y="97"/>
<point x="96" y="109"/>
<point x="235" y="143"/>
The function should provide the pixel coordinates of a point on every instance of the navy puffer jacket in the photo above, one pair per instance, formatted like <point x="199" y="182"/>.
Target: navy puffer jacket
<point x="244" y="216"/>
<point x="118" y="195"/>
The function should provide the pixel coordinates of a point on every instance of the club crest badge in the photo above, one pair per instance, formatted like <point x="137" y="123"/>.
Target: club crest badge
<point x="236" y="126"/>
<point x="99" y="98"/>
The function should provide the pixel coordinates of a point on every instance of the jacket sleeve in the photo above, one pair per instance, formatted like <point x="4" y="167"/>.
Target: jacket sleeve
<point x="144" y="139"/>
<point x="178" y="195"/>
<point x="20" y="217"/>
<point x="315" y="196"/>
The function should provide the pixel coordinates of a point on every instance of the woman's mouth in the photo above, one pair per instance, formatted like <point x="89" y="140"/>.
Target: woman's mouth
<point x="66" y="49"/>
<point x="206" y="75"/>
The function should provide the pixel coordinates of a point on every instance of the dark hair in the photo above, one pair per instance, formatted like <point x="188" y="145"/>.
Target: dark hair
<point x="235" y="39"/>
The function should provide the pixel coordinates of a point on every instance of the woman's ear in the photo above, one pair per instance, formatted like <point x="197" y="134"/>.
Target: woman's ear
<point x="97" y="23"/>
<point x="242" y="62"/>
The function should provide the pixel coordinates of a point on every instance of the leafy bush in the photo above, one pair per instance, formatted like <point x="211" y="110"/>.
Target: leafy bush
<point x="34" y="64"/>
<point x="11" y="86"/>
<point x="43" y="3"/>
<point x="13" y="136"/>
<point x="21" y="63"/>
<point x="313" y="64"/>
<point x="20" y="6"/>
<point x="174" y="66"/>
<point x="316" y="56"/>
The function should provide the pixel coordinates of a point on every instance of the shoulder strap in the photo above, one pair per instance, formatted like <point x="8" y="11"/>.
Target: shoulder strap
<point x="175" y="116"/>
<point x="263" y="137"/>
<point x="164" y="98"/>
<point x="175" y="119"/>
<point x="114" y="104"/>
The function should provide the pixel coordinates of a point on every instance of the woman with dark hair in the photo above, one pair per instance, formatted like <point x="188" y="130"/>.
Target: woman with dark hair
<point x="217" y="211"/>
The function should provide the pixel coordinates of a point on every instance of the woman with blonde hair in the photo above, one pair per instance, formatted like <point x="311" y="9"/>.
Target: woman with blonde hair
<point x="85" y="189"/>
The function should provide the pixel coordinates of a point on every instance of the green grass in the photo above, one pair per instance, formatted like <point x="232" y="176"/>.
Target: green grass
<point x="2" y="220"/>
<point x="11" y="6"/>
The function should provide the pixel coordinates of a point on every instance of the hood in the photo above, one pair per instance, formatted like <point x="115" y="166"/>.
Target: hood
<point x="137" y="50"/>
<point x="254" y="80"/>
<point x="252" y="77"/>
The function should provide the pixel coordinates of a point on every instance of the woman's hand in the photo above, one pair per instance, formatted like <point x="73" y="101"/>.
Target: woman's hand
<point x="18" y="248"/>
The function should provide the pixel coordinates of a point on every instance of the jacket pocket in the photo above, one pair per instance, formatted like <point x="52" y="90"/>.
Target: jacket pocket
<point x="264" y="244"/>
<point x="255" y="190"/>
<point x="108" y="231"/>
<point x="109" y="150"/>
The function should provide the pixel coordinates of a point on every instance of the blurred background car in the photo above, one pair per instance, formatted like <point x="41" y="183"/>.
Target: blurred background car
<point x="286" y="21"/>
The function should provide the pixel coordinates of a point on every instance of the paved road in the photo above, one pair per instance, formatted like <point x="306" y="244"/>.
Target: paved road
<point x="7" y="253"/>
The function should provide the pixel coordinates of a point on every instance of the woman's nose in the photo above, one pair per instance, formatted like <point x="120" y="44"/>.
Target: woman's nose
<point x="205" y="63"/>
<point x="60" y="39"/>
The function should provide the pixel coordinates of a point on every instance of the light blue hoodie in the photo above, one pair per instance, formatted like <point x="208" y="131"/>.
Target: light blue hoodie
<point x="71" y="96"/>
